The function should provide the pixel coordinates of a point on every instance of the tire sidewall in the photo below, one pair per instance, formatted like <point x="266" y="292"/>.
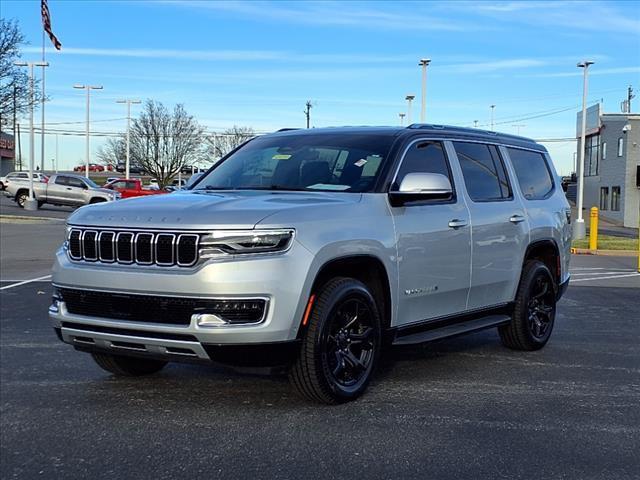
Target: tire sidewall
<point x="21" y="199"/>
<point x="349" y="288"/>
<point x="524" y="296"/>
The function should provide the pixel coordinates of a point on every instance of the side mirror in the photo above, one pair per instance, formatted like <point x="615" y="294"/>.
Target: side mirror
<point x="421" y="186"/>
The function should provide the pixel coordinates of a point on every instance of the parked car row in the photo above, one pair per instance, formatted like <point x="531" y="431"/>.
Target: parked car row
<point x="94" y="167"/>
<point x="21" y="177"/>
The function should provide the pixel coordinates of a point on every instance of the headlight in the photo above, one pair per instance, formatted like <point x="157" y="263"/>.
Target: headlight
<point x="240" y="242"/>
<point x="117" y="196"/>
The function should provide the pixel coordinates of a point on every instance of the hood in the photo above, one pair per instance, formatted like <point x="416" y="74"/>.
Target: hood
<point x="103" y="190"/>
<point x="202" y="210"/>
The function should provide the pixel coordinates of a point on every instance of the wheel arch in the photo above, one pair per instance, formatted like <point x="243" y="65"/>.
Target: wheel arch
<point x="367" y="268"/>
<point x="547" y="251"/>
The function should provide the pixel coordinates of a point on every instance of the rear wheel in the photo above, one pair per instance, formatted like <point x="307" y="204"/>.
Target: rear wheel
<point x="341" y="346"/>
<point x="123" y="366"/>
<point x="21" y="198"/>
<point x="534" y="312"/>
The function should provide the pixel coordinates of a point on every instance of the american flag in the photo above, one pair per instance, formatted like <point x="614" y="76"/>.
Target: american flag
<point x="46" y="23"/>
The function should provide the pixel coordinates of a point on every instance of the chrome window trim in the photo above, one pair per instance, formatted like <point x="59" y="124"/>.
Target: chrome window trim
<point x="131" y="248"/>
<point x="84" y="255"/>
<point x="173" y="248"/>
<point x="113" y="252"/>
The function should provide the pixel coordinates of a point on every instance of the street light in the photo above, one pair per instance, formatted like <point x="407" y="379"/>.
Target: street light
<point x="128" y="101"/>
<point x="423" y="107"/>
<point x="31" y="203"/>
<point x="409" y="99"/>
<point x="579" y="230"/>
<point x="88" y="88"/>
<point x="402" y="115"/>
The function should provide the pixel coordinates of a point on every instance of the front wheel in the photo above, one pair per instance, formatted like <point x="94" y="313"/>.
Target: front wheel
<point x="341" y="345"/>
<point x="534" y="312"/>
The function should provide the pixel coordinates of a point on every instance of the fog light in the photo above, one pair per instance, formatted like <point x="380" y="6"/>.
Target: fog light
<point x="55" y="306"/>
<point x="208" y="320"/>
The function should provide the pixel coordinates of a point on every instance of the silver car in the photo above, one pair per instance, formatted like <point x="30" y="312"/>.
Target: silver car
<point x="314" y="249"/>
<point x="61" y="189"/>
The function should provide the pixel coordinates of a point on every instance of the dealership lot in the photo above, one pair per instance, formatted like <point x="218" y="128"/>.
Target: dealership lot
<point x="461" y="408"/>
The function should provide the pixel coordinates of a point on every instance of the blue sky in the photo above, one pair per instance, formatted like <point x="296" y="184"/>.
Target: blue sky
<point x="256" y="63"/>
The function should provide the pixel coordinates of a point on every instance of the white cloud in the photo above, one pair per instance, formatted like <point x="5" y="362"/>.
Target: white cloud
<point x="592" y="71"/>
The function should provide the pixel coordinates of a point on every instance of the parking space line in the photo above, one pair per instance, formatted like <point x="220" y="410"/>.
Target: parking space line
<point x="605" y="278"/>
<point x="24" y="282"/>
<point x="611" y="272"/>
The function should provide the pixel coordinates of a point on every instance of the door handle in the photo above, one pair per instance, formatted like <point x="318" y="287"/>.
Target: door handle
<point x="68" y="188"/>
<point x="516" y="218"/>
<point x="457" y="223"/>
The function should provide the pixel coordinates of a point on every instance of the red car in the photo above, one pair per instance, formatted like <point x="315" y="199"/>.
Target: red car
<point x="93" y="167"/>
<point x="131" y="188"/>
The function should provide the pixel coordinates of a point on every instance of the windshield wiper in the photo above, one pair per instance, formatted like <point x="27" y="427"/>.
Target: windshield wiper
<point x="281" y="188"/>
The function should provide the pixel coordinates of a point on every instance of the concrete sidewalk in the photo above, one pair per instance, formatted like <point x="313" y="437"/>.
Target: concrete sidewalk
<point x="605" y="226"/>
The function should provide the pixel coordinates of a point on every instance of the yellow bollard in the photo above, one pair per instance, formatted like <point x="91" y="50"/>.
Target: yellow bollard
<point x="593" y="230"/>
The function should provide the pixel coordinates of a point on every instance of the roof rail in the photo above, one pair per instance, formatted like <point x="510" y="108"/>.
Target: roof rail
<point x="287" y="129"/>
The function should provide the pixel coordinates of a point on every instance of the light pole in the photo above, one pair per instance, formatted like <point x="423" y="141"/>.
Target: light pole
<point x="579" y="229"/>
<point x="475" y="124"/>
<point x="424" y="62"/>
<point x="31" y="203"/>
<point x="88" y="89"/>
<point x="493" y="107"/>
<point x="402" y="115"/>
<point x="43" y="64"/>
<point x="128" y="101"/>
<point x="409" y="99"/>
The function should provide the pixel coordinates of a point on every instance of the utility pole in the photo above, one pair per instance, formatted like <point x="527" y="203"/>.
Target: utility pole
<point x="630" y="96"/>
<point x="88" y="89"/>
<point x="579" y="229"/>
<point x="401" y="115"/>
<point x="493" y="107"/>
<point x="518" y="126"/>
<point x="409" y="98"/>
<point x="43" y="65"/>
<point x="31" y="203"/>
<point x="128" y="101"/>
<point x="307" y="112"/>
<point x="424" y="62"/>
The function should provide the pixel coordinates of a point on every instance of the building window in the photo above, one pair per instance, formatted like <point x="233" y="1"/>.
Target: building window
<point x="592" y="145"/>
<point x="604" y="198"/>
<point x="615" y="199"/>
<point x="620" y="146"/>
<point x="604" y="150"/>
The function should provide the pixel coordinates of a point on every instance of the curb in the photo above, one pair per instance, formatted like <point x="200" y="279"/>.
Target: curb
<point x="610" y="253"/>
<point x="27" y="218"/>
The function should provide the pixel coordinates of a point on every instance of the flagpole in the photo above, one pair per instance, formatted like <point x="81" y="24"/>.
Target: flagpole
<point x="42" y="106"/>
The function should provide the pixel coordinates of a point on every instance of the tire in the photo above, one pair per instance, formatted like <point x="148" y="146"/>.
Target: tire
<point x="1" y="186"/>
<point x="341" y="345"/>
<point x="96" y="200"/>
<point x="21" y="198"/>
<point x="123" y="366"/>
<point x="534" y="311"/>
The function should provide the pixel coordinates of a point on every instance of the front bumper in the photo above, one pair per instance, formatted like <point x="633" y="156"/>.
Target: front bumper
<point x="278" y="278"/>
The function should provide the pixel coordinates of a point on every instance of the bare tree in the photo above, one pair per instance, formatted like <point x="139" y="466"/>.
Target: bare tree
<point x="114" y="150"/>
<point x="14" y="81"/>
<point x="221" y="144"/>
<point x="162" y="142"/>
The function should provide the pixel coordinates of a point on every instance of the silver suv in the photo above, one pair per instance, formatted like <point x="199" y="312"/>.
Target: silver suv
<point x="314" y="249"/>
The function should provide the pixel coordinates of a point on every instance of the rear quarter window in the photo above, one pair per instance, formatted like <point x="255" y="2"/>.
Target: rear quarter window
<point x="533" y="173"/>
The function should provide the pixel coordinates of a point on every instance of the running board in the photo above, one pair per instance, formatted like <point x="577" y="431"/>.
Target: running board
<point x="467" y="326"/>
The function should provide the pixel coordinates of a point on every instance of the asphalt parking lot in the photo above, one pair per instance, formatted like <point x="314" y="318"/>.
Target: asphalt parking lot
<point x="461" y="408"/>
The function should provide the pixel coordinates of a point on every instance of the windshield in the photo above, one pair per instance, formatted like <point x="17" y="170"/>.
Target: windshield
<point x="91" y="183"/>
<point x="326" y="162"/>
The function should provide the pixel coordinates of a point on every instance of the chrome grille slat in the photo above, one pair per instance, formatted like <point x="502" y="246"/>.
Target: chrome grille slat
<point x="145" y="248"/>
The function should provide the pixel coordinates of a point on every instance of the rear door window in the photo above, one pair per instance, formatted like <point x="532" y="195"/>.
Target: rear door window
<point x="534" y="176"/>
<point x="483" y="170"/>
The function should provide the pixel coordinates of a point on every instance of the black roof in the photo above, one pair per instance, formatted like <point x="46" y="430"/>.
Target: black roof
<point x="443" y="131"/>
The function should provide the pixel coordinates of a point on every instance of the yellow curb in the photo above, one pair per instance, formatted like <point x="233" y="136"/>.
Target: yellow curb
<point x="611" y="253"/>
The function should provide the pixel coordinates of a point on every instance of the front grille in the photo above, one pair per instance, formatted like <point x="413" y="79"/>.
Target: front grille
<point x="143" y="248"/>
<point x="158" y="309"/>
